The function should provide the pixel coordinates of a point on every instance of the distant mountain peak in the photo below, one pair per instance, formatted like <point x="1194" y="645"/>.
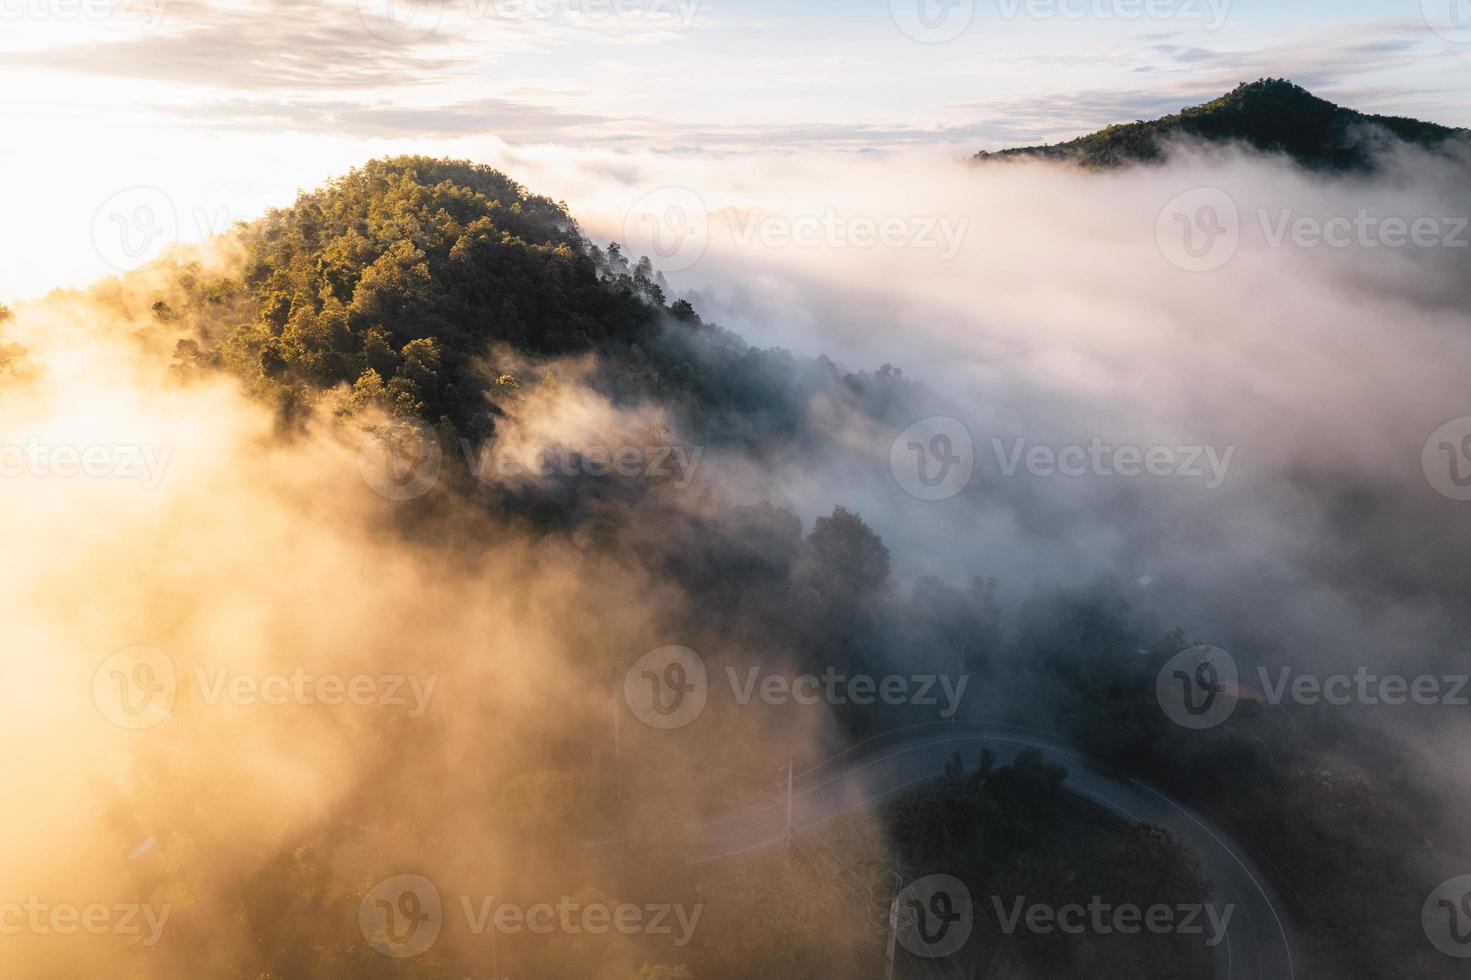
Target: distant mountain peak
<point x="1273" y="88"/>
<point x="1272" y="115"/>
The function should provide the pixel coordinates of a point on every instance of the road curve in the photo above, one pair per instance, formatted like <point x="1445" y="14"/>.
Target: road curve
<point x="1258" y="944"/>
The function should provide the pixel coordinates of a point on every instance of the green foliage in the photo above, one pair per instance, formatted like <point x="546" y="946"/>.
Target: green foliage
<point x="409" y="269"/>
<point x="1014" y="832"/>
<point x="848" y="549"/>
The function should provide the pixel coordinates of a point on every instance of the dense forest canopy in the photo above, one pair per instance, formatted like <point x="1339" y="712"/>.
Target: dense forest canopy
<point x="395" y="278"/>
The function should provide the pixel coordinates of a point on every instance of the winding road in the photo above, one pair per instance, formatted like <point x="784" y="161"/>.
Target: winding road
<point x="1258" y="944"/>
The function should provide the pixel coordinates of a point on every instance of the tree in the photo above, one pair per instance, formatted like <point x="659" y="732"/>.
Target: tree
<point x="849" y="550"/>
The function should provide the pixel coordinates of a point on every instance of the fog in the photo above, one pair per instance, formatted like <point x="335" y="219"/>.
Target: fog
<point x="1031" y="302"/>
<point x="481" y="656"/>
<point x="1066" y="316"/>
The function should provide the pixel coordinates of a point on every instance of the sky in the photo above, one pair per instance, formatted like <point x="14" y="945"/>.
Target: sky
<point x="182" y="116"/>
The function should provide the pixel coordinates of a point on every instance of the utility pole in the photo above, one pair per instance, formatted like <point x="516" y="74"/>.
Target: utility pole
<point x="791" y="764"/>
<point x="448" y="740"/>
<point x="893" y="935"/>
<point x="617" y="756"/>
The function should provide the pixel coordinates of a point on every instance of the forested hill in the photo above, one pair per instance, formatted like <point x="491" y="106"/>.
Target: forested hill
<point x="400" y="280"/>
<point x="1272" y="115"/>
<point x="394" y="278"/>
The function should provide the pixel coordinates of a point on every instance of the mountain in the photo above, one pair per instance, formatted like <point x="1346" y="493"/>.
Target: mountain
<point x="429" y="288"/>
<point x="444" y="291"/>
<point x="1272" y="115"/>
<point x="396" y="278"/>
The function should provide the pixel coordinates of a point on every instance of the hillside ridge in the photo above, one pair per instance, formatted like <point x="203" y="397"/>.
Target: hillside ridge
<point x="1271" y="115"/>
